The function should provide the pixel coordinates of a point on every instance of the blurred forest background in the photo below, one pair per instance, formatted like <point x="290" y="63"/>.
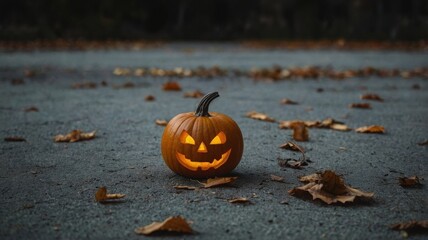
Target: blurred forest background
<point x="214" y="19"/>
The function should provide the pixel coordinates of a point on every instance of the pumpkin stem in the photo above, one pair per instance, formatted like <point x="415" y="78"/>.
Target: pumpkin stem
<point x="202" y="109"/>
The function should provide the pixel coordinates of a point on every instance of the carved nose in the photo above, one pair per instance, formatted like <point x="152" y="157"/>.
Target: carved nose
<point x="202" y="148"/>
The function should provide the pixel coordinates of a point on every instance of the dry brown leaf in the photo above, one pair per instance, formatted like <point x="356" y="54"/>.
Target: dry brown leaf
<point x="121" y="71"/>
<point x="17" y="81"/>
<point x="300" y="132"/>
<point x="339" y="127"/>
<point x="360" y="105"/>
<point x="292" y="146"/>
<point x="259" y="116"/>
<point x="171" y="86"/>
<point x="194" y="94"/>
<point x="161" y="122"/>
<point x="175" y="224"/>
<point x="31" y="109"/>
<point x="239" y="200"/>
<point x="84" y="85"/>
<point x="75" y="136"/>
<point x="103" y="197"/>
<point x="276" y="178"/>
<point x="183" y="187"/>
<point x="411" y="225"/>
<point x="149" y="98"/>
<point x="409" y="181"/>
<point x="14" y="139"/>
<point x="288" y="101"/>
<point x="371" y="96"/>
<point x="213" y="182"/>
<point x="423" y="143"/>
<point x="371" y="129"/>
<point x="292" y="163"/>
<point x="328" y="187"/>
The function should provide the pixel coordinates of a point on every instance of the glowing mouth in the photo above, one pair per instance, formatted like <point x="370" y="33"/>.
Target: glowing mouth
<point x="189" y="164"/>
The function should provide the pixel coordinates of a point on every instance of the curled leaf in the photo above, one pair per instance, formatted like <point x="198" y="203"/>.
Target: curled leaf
<point x="300" y="132"/>
<point x="409" y="181"/>
<point x="411" y="225"/>
<point x="371" y="129"/>
<point x="292" y="146"/>
<point x="259" y="116"/>
<point x="161" y="122"/>
<point x="213" y="182"/>
<point x="276" y="178"/>
<point x="175" y="224"/>
<point x="288" y="101"/>
<point x="239" y="200"/>
<point x="183" y="187"/>
<point x="75" y="136"/>
<point x="103" y="197"/>
<point x="329" y="188"/>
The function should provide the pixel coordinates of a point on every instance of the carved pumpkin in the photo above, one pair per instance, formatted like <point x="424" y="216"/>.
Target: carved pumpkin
<point x="201" y="144"/>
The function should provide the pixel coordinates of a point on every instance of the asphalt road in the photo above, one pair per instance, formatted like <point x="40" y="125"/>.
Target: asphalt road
<point x="47" y="188"/>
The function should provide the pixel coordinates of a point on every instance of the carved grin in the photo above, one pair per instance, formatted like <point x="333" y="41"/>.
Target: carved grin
<point x="189" y="164"/>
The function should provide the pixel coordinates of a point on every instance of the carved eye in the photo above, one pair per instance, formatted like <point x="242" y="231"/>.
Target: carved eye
<point x="219" y="139"/>
<point x="185" y="138"/>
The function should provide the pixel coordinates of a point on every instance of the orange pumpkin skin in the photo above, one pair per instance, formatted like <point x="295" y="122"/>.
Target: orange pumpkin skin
<point x="202" y="144"/>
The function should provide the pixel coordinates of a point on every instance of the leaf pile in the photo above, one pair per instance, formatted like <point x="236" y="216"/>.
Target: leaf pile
<point x="176" y="224"/>
<point x="75" y="136"/>
<point x="329" y="188"/>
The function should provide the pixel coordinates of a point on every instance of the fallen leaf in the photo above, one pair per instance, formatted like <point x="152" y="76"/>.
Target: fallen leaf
<point x="371" y="96"/>
<point x="14" y="139"/>
<point x="182" y="187"/>
<point x="171" y="86"/>
<point x="125" y="85"/>
<point x="276" y="178"/>
<point x="121" y="71"/>
<point x="288" y="101"/>
<point x="31" y="109"/>
<point x="213" y="182"/>
<point x="239" y="200"/>
<point x="409" y="181"/>
<point x="292" y="163"/>
<point x="360" y="105"/>
<point x="103" y="197"/>
<point x="416" y="86"/>
<point x="340" y="127"/>
<point x="84" y="85"/>
<point x="194" y="94"/>
<point x="329" y="188"/>
<point x="172" y="224"/>
<point x="17" y="81"/>
<point x="300" y="132"/>
<point x="371" y="129"/>
<point x="292" y="146"/>
<point x="149" y="98"/>
<point x="259" y="116"/>
<point x="423" y="143"/>
<point x="75" y="136"/>
<point x="161" y="122"/>
<point x="411" y="225"/>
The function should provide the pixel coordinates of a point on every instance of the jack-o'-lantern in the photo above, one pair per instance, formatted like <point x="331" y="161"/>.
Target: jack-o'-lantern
<point x="202" y="144"/>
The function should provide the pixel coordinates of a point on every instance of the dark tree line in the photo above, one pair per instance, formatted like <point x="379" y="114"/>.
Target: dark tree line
<point x="214" y="19"/>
